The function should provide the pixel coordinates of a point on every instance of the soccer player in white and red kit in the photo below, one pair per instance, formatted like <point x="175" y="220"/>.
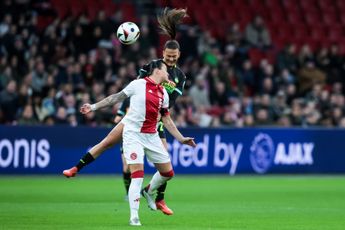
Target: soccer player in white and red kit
<point x="149" y="102"/>
<point x="168" y="22"/>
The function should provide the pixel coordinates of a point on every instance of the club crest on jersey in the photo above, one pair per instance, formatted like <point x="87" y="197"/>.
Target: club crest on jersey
<point x="133" y="156"/>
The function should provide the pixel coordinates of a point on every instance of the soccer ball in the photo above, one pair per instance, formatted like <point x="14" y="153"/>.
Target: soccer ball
<point x="128" y="33"/>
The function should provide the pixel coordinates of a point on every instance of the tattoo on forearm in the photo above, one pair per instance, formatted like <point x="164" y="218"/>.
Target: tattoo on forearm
<point x="111" y="100"/>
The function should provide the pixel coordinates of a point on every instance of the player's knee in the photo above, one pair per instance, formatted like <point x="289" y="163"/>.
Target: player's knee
<point x="170" y="174"/>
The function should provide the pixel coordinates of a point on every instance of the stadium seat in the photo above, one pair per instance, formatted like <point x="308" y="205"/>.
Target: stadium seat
<point x="61" y="7"/>
<point x="77" y="7"/>
<point x="277" y="16"/>
<point x="330" y="18"/>
<point x="178" y="3"/>
<point x="283" y="30"/>
<point x="294" y="17"/>
<point x="309" y="6"/>
<point x="215" y="15"/>
<point x="317" y="32"/>
<point x="311" y="18"/>
<point x="231" y="15"/>
<point x="92" y="8"/>
<point x="273" y="5"/>
<point x="335" y="32"/>
<point x="326" y="5"/>
<point x="300" y="31"/>
<point x="290" y="5"/>
<point x="128" y="12"/>
<point x="255" y="56"/>
<point x="43" y="22"/>
<point x="340" y="5"/>
<point x="223" y="3"/>
<point x="109" y="7"/>
<point x="342" y="19"/>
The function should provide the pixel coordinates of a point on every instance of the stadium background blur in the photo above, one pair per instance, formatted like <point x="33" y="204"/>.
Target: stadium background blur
<point x="248" y="63"/>
<point x="280" y="74"/>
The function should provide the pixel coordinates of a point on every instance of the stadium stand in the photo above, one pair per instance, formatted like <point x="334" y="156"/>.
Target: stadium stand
<point x="57" y="54"/>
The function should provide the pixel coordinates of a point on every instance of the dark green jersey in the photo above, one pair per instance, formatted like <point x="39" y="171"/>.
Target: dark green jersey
<point x="175" y="75"/>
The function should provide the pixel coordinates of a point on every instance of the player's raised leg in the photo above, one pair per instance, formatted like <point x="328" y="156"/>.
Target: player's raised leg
<point x="112" y="138"/>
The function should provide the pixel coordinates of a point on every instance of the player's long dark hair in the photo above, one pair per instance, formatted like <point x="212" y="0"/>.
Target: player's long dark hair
<point x="168" y="22"/>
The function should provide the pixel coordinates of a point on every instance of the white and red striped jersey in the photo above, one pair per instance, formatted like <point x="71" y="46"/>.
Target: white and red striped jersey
<point x="147" y="100"/>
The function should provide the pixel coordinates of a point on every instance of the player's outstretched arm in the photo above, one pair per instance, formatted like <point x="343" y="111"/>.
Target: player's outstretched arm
<point x="171" y="127"/>
<point x="106" y="102"/>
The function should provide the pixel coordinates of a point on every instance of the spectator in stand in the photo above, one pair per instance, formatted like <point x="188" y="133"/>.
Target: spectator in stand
<point x="9" y="102"/>
<point x="309" y="75"/>
<point x="279" y="107"/>
<point x="304" y="55"/>
<point x="27" y="117"/>
<point x="311" y="115"/>
<point x="219" y="96"/>
<point x="342" y="122"/>
<point x="199" y="93"/>
<point x="287" y="58"/>
<point x="264" y="81"/>
<point x="336" y="115"/>
<point x="247" y="77"/>
<point x="257" y="34"/>
<point x="322" y="59"/>
<point x="234" y="36"/>
<point x="335" y="61"/>
<point x="284" y="79"/>
<point x="39" y="76"/>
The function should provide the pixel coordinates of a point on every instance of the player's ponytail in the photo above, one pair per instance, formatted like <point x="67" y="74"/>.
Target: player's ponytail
<point x="168" y="22"/>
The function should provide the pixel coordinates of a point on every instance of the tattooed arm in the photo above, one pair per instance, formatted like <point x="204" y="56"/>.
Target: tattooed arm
<point x="106" y="102"/>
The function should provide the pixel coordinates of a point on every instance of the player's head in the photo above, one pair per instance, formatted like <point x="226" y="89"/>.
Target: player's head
<point x="159" y="72"/>
<point x="168" y="22"/>
<point x="171" y="52"/>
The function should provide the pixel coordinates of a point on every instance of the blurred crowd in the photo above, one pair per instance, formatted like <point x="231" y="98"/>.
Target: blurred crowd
<point x="46" y="75"/>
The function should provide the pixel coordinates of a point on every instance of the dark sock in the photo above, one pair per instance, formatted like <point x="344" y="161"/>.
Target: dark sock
<point x="160" y="192"/>
<point x="85" y="160"/>
<point x="126" y="180"/>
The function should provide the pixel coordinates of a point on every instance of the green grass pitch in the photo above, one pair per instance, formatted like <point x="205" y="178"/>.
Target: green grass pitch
<point x="199" y="202"/>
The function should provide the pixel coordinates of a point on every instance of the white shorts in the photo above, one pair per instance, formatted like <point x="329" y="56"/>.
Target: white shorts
<point x="136" y="145"/>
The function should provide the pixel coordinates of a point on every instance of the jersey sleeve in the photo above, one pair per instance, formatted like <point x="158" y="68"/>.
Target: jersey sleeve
<point x="131" y="88"/>
<point x="178" y="91"/>
<point x="180" y="85"/>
